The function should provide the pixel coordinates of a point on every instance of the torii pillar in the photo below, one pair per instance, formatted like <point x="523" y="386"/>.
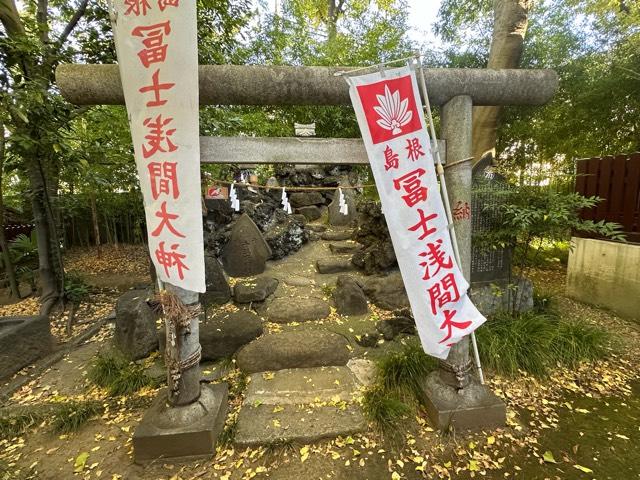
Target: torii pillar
<point x="454" y="397"/>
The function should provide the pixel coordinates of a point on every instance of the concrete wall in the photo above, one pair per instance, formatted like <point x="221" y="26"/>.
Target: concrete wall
<point x="605" y="274"/>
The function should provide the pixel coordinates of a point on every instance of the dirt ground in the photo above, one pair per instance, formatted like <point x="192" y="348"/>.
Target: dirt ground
<point x="576" y="424"/>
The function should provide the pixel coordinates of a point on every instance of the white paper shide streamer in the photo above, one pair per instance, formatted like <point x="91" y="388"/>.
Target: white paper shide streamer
<point x="286" y="206"/>
<point x="344" y="208"/>
<point x="233" y="198"/>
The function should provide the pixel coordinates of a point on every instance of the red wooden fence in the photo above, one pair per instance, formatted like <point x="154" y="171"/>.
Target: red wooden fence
<point x="616" y="180"/>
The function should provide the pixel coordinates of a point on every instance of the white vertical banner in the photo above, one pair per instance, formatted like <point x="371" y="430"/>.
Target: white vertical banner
<point x="157" y="51"/>
<point x="391" y="120"/>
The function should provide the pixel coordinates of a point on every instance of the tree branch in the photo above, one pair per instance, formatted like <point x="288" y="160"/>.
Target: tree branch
<point x="73" y="22"/>
<point x="10" y="18"/>
<point x="42" y="17"/>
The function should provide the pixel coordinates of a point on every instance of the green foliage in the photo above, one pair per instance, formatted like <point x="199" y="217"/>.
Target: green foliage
<point x="76" y="289"/>
<point x="69" y="417"/>
<point x="403" y="370"/>
<point x="385" y="410"/>
<point x="15" y="424"/>
<point x="535" y="343"/>
<point x="119" y="376"/>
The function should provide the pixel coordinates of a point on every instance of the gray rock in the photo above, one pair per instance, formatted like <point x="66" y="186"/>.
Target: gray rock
<point x="254" y="290"/>
<point x="387" y="292"/>
<point x="368" y="340"/>
<point x="334" y="265"/>
<point x="337" y="218"/>
<point x="23" y="340"/>
<point x="377" y="254"/>
<point x="247" y="251"/>
<point x="316" y="227"/>
<point x="349" y="297"/>
<point x="136" y="331"/>
<point x="218" y="291"/>
<point x="304" y="199"/>
<point x="311" y="212"/>
<point x="301" y="349"/>
<point x="392" y="327"/>
<point x="287" y="309"/>
<point x="336" y="235"/>
<point x="343" y="247"/>
<point x="492" y="298"/>
<point x="223" y="334"/>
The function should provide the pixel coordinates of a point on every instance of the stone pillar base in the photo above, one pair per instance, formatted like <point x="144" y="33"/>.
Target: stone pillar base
<point x="475" y="407"/>
<point x="181" y="433"/>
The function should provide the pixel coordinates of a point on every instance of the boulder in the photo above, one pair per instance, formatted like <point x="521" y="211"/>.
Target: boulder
<point x="136" y="331"/>
<point x="392" y="327"/>
<point x="349" y="297"/>
<point x="23" y="340"/>
<point x="254" y="290"/>
<point x="334" y="265"/>
<point x="286" y="309"/>
<point x="218" y="291"/>
<point x="337" y="218"/>
<point x="387" y="292"/>
<point x="304" y="199"/>
<point x="223" y="334"/>
<point x="246" y="253"/>
<point x="311" y="212"/>
<point x="287" y="235"/>
<point x="302" y="349"/>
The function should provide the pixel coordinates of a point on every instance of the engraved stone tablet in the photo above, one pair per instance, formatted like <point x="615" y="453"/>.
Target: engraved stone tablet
<point x="247" y="252"/>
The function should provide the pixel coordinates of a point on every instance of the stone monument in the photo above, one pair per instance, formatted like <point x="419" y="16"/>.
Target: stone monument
<point x="247" y="252"/>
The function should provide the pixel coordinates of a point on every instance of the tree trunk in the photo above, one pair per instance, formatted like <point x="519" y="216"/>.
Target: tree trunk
<point x="509" y="29"/>
<point x="8" y="265"/>
<point x="94" y="219"/>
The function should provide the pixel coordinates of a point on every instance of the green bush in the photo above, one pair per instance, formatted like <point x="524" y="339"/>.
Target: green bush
<point x="69" y="417"/>
<point x="119" y="376"/>
<point x="403" y="370"/>
<point x="534" y="343"/>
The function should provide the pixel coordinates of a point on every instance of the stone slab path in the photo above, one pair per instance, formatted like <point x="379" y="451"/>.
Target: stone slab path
<point x="300" y="405"/>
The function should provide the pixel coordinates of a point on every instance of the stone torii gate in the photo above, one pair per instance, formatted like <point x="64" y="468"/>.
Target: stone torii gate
<point x="452" y="396"/>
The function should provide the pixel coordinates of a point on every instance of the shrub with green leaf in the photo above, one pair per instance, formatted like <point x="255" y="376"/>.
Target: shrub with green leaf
<point x="119" y="376"/>
<point x="76" y="291"/>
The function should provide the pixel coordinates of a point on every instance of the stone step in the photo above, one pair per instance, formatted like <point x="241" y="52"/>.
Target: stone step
<point x="301" y="386"/>
<point x="302" y="424"/>
<point x="336" y="235"/>
<point x="301" y="405"/>
<point x="288" y="309"/>
<point x="335" y="265"/>
<point x="344" y="247"/>
<point x="298" y="349"/>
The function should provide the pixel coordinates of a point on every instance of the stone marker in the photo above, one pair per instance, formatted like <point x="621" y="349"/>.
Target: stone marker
<point x="335" y="217"/>
<point x="247" y="252"/>
<point x="334" y="265"/>
<point x="349" y="297"/>
<point x="301" y="349"/>
<point x="287" y="309"/>
<point x="218" y="291"/>
<point x="223" y="334"/>
<point x="387" y="292"/>
<point x="23" y="340"/>
<point x="254" y="290"/>
<point x="136" y="330"/>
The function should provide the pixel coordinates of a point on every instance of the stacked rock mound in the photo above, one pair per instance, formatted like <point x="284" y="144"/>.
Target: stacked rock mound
<point x="376" y="255"/>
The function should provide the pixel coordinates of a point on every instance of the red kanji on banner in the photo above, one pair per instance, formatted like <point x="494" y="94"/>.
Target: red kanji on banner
<point x="411" y="184"/>
<point x="449" y="324"/>
<point x="414" y="148"/>
<point x="424" y="224"/>
<point x="390" y="108"/>
<point x="136" y="7"/>
<point x="164" y="179"/>
<point x="443" y="292"/>
<point x="168" y="3"/>
<point x="390" y="159"/>
<point x="157" y="138"/>
<point x="170" y="259"/>
<point x="435" y="257"/>
<point x="155" y="87"/>
<point x="166" y="218"/>
<point x="153" y="38"/>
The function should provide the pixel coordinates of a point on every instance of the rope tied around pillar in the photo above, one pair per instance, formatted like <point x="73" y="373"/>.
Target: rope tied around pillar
<point x="178" y="317"/>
